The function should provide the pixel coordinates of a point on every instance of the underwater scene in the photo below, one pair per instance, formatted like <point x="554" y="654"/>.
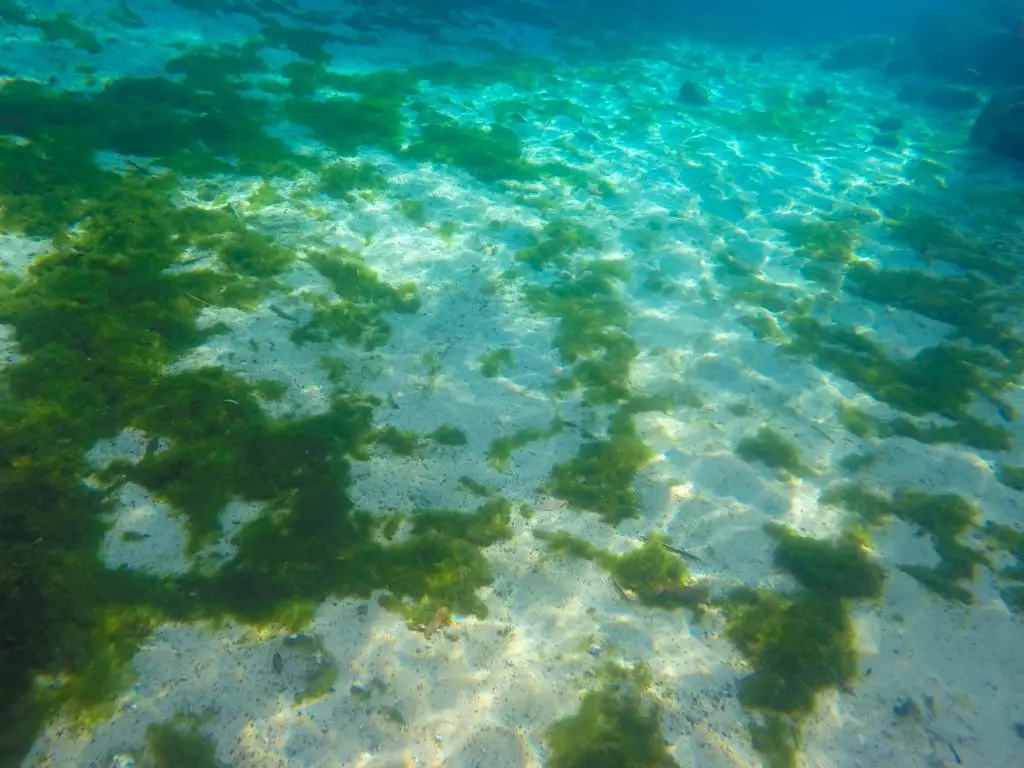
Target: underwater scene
<point x="511" y="384"/>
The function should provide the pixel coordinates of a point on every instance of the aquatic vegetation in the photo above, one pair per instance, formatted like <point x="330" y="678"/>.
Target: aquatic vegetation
<point x="1011" y="476"/>
<point x="344" y="179"/>
<point x="400" y="442"/>
<point x="591" y="334"/>
<point x="178" y="742"/>
<point x="773" y="450"/>
<point x="1010" y="540"/>
<point x="557" y="242"/>
<point x="600" y="477"/>
<point x="836" y="569"/>
<point x="934" y="238"/>
<point x="448" y="435"/>
<point x="618" y="725"/>
<point x="658" y="577"/>
<point x="825" y="240"/>
<point x="499" y="454"/>
<point x="937" y="380"/>
<point x="493" y="361"/>
<point x="798" y="645"/>
<point x="856" y="421"/>
<point x="488" y="154"/>
<point x="944" y="517"/>
<point x="650" y="573"/>
<point x="414" y="211"/>
<point x="358" y="314"/>
<point x="858" y="462"/>
<point x="447" y="230"/>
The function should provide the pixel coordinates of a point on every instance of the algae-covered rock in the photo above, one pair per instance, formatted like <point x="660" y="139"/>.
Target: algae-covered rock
<point x="1000" y="126"/>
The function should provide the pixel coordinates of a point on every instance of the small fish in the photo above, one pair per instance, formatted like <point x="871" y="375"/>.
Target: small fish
<point x="682" y="553"/>
<point x="277" y="663"/>
<point x="438" y="620"/>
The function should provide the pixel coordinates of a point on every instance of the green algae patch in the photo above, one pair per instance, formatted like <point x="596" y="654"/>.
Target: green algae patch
<point x="770" y="448"/>
<point x="618" y="725"/>
<point x="1011" y="476"/>
<point x="943" y="517"/>
<point x="658" y="577"/>
<point x="492" y="361"/>
<point x="651" y="573"/>
<point x="448" y="435"/>
<point x="488" y="154"/>
<point x="1008" y="540"/>
<point x="600" y="477"/>
<point x="832" y="241"/>
<point x="841" y="568"/>
<point x="555" y="244"/>
<point x="798" y="646"/>
<point x="346" y="180"/>
<point x="180" y="741"/>
<point x="942" y="380"/>
<point x="356" y="313"/>
<point x="499" y="454"/>
<point x="591" y="336"/>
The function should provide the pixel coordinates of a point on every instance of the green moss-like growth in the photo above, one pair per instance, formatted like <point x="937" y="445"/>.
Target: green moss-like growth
<point x="491" y="362"/>
<point x="797" y="646"/>
<point x="937" y="380"/>
<point x="657" y="576"/>
<point x="344" y="179"/>
<point x="935" y="238"/>
<point x="357" y="314"/>
<point x="945" y="517"/>
<point x="499" y="454"/>
<point x="414" y="211"/>
<point x="600" y="477"/>
<point x="824" y="240"/>
<point x="773" y="450"/>
<point x="858" y="462"/>
<point x="1011" y="476"/>
<point x="557" y="242"/>
<point x="618" y="726"/>
<point x="592" y="336"/>
<point x="178" y="741"/>
<point x="834" y="569"/>
<point x="400" y="442"/>
<point x="855" y="420"/>
<point x="489" y="154"/>
<point x="448" y="435"/>
<point x="62" y="27"/>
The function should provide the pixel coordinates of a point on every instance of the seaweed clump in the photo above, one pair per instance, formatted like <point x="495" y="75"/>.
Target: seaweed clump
<point x="600" y="477"/>
<point x="773" y="450"/>
<point x="797" y="646"/>
<point x="618" y="725"/>
<point x="944" y="517"/>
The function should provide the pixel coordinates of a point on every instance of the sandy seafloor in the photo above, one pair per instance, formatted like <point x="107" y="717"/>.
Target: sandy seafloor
<point x="476" y="694"/>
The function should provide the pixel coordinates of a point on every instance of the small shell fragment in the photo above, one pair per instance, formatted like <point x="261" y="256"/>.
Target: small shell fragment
<point x="550" y="504"/>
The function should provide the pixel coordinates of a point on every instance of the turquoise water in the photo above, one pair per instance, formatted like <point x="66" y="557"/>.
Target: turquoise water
<point x="459" y="384"/>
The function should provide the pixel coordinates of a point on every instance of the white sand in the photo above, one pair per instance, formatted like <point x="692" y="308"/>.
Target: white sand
<point x="483" y="691"/>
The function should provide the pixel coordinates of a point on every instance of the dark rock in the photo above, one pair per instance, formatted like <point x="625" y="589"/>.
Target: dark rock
<point x="863" y="52"/>
<point x="889" y="124"/>
<point x="691" y="93"/>
<point x="1000" y="126"/>
<point x="952" y="98"/>
<point x="817" y="99"/>
<point x="912" y="93"/>
<point x="903" y="65"/>
<point x="970" y="47"/>
<point x="887" y="141"/>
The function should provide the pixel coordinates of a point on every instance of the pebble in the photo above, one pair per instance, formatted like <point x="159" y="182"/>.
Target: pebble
<point x="594" y="650"/>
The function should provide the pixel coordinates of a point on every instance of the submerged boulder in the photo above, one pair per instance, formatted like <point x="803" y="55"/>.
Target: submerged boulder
<point x="1000" y="126"/>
